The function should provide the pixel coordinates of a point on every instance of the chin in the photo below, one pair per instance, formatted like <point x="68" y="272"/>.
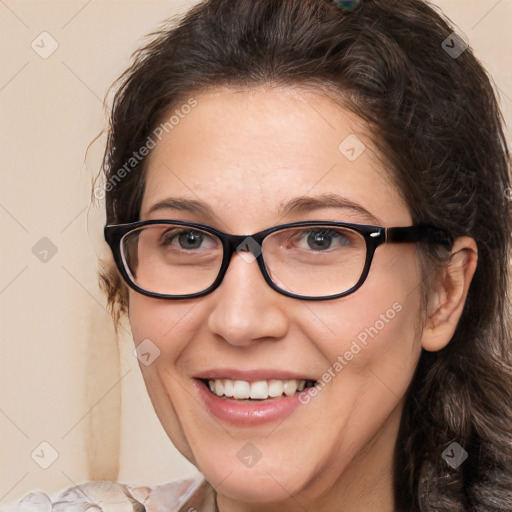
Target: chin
<point x="250" y="487"/>
<point x="265" y="482"/>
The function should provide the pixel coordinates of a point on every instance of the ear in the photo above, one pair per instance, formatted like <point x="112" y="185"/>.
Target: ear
<point x="448" y="296"/>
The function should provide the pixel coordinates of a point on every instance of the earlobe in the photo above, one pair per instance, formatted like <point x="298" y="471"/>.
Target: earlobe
<point x="449" y="296"/>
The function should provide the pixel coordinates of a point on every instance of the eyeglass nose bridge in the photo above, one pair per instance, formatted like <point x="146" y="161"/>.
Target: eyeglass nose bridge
<point x="246" y="244"/>
<point x="249" y="248"/>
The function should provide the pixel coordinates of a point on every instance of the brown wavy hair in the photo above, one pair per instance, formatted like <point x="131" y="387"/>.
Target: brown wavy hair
<point x="436" y="120"/>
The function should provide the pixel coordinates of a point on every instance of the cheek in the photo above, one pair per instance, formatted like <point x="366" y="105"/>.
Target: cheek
<point x="165" y="323"/>
<point x="371" y="343"/>
<point x="163" y="332"/>
<point x="375" y="332"/>
<point x="163" y="329"/>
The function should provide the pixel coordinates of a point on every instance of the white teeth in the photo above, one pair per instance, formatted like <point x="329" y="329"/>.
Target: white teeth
<point x="258" y="390"/>
<point x="275" y="388"/>
<point x="290" y="386"/>
<point x="242" y="389"/>
<point x="219" y="387"/>
<point x="229" y="388"/>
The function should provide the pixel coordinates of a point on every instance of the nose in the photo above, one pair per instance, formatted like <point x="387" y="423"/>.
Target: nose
<point x="245" y="308"/>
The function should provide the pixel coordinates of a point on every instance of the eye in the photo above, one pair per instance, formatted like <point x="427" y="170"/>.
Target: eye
<point x="323" y="239"/>
<point x="187" y="239"/>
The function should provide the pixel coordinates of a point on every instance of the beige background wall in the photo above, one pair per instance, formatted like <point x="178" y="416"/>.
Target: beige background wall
<point x="63" y="379"/>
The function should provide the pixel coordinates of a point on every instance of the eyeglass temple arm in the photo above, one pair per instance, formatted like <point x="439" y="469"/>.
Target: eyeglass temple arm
<point x="422" y="233"/>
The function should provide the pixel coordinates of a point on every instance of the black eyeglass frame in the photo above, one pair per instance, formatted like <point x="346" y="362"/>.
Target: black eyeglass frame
<point x="374" y="237"/>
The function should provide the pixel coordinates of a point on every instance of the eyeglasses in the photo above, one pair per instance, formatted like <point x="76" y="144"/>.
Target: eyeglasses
<point x="315" y="260"/>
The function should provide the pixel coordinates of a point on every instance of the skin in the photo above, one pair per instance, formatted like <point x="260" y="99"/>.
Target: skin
<point x="245" y="153"/>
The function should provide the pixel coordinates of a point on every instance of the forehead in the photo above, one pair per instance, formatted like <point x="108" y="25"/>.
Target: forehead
<point x="247" y="153"/>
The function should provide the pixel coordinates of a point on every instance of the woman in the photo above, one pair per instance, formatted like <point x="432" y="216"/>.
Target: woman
<point x="307" y="206"/>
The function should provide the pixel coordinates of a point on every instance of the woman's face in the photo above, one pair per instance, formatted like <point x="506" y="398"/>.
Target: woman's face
<point x="246" y="155"/>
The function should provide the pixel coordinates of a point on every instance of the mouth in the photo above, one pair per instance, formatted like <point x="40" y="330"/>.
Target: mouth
<point x="229" y="389"/>
<point x="252" y="397"/>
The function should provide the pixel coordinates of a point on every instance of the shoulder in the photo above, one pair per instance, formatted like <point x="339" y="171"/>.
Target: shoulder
<point x="118" y="497"/>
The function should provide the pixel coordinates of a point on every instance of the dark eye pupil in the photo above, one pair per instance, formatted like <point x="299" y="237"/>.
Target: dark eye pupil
<point x="190" y="240"/>
<point x="319" y="240"/>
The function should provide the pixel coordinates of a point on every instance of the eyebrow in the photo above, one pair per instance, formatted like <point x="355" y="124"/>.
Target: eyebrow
<point x="308" y="203"/>
<point x="302" y="204"/>
<point x="178" y="203"/>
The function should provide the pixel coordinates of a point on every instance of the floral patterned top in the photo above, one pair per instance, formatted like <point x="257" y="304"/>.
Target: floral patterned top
<point x="190" y="495"/>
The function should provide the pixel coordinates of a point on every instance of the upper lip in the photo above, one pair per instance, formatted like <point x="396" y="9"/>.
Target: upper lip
<point x="251" y="375"/>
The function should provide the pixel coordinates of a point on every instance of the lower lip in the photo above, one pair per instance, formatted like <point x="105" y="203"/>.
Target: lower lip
<point x="245" y="412"/>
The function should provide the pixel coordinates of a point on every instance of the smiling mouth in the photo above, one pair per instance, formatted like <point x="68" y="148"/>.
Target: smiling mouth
<point x="257" y="390"/>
